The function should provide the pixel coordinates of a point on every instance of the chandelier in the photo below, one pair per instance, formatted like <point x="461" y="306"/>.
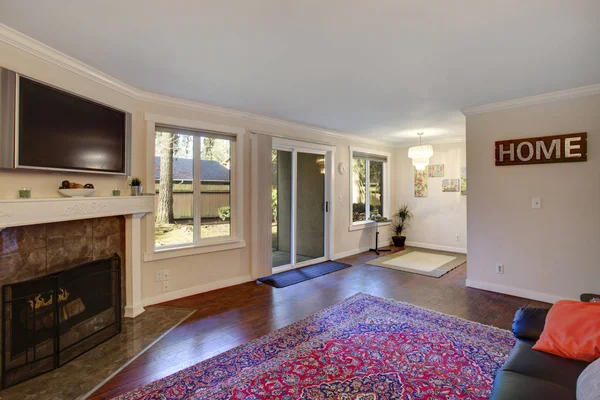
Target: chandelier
<point x="420" y="154"/>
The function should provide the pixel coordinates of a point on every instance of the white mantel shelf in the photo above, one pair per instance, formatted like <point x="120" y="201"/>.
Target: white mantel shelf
<point x="21" y="212"/>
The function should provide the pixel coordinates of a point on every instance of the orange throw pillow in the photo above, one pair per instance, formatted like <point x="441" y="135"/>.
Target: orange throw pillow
<point x="572" y="330"/>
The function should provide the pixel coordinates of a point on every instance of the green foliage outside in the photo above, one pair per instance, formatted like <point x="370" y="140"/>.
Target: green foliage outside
<point x="225" y="212"/>
<point x="274" y="203"/>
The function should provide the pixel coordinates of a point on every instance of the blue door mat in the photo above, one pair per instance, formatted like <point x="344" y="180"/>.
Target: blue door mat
<point x="294" y="276"/>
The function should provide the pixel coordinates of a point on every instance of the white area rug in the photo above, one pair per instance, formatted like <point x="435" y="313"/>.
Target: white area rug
<point x="421" y="261"/>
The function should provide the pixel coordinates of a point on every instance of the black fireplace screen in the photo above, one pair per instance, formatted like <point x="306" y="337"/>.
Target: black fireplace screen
<point x="48" y="321"/>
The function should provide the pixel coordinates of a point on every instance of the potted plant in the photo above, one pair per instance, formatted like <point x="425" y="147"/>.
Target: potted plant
<point x="136" y="187"/>
<point x="400" y="224"/>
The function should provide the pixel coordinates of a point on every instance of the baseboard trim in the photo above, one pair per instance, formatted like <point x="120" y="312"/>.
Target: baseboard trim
<point x="178" y="294"/>
<point x="461" y="250"/>
<point x="133" y="311"/>
<point x="357" y="251"/>
<point x="513" y="291"/>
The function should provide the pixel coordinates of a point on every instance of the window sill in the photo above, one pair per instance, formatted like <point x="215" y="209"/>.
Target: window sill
<point x="357" y="226"/>
<point x="194" y="249"/>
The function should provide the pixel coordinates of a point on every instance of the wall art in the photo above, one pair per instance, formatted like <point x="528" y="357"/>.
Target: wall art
<point x="451" y="185"/>
<point x="436" y="171"/>
<point x="420" y="183"/>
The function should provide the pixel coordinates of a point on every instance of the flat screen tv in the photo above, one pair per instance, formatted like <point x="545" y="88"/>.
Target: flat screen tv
<point x="62" y="131"/>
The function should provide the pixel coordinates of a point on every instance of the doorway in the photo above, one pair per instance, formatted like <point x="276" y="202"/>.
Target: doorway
<point x="300" y="194"/>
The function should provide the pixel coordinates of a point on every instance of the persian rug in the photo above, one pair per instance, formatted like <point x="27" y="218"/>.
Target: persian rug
<point x="421" y="261"/>
<point x="363" y="348"/>
<point x="294" y="276"/>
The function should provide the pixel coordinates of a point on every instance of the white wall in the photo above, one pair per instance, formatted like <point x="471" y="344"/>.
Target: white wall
<point x="439" y="217"/>
<point x="549" y="253"/>
<point x="190" y="274"/>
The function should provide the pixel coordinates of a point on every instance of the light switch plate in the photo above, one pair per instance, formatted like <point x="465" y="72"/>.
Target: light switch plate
<point x="165" y="286"/>
<point x="166" y="274"/>
<point x="536" y="202"/>
<point x="159" y="276"/>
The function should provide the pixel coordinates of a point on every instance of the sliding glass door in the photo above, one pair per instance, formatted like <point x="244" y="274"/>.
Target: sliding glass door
<point x="281" y="201"/>
<point x="300" y="201"/>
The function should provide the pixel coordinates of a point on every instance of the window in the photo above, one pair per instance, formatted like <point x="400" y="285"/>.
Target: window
<point x="193" y="185"/>
<point x="369" y="181"/>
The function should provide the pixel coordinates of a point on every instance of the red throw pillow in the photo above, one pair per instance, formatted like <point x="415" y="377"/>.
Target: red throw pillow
<point x="572" y="330"/>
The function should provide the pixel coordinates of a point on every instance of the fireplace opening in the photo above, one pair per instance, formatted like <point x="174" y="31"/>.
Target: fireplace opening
<point x="48" y="321"/>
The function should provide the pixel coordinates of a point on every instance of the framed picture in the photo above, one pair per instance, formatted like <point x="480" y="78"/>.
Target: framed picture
<point x="451" y="185"/>
<point x="436" y="171"/>
<point x="463" y="181"/>
<point x="420" y="183"/>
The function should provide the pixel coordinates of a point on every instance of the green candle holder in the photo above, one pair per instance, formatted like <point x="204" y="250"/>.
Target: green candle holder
<point x="25" y="193"/>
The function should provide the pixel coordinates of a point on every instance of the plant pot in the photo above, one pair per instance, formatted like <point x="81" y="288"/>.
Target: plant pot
<point x="399" y="241"/>
<point x="136" y="190"/>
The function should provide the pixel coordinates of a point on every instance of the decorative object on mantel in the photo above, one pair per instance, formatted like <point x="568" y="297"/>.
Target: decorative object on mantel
<point x="420" y="183"/>
<point x="420" y="154"/>
<point x="451" y="185"/>
<point x="76" y="192"/>
<point x="401" y="223"/>
<point x="25" y="193"/>
<point x="72" y="189"/>
<point x="542" y="150"/>
<point x="116" y="192"/>
<point x="436" y="171"/>
<point x="463" y="181"/>
<point x="136" y="187"/>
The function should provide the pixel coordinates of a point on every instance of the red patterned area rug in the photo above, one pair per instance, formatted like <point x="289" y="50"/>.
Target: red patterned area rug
<point x="365" y="348"/>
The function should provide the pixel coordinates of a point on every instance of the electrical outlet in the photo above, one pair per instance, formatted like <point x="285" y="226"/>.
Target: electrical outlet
<point x="499" y="269"/>
<point x="536" y="202"/>
<point x="165" y="286"/>
<point x="165" y="275"/>
<point x="458" y="238"/>
<point x="159" y="276"/>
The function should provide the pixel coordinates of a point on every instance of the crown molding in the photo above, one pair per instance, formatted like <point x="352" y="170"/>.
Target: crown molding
<point x="29" y="45"/>
<point x="533" y="100"/>
<point x="38" y="49"/>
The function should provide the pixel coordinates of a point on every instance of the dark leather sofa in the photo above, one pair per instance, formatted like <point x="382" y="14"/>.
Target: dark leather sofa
<point x="530" y="374"/>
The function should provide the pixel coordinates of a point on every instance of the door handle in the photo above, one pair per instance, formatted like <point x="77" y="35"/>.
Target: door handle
<point x="326" y="206"/>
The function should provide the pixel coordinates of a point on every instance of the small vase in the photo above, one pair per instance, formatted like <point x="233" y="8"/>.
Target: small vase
<point x="136" y="190"/>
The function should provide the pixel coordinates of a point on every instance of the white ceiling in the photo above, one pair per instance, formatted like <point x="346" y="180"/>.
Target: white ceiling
<point x="383" y="69"/>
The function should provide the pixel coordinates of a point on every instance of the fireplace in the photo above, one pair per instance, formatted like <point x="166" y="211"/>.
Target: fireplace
<point x="50" y="320"/>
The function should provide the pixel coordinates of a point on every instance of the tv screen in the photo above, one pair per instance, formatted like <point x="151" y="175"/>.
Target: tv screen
<point x="59" y="130"/>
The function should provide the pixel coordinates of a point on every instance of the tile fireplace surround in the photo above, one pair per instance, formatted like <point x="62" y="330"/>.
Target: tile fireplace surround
<point x="42" y="236"/>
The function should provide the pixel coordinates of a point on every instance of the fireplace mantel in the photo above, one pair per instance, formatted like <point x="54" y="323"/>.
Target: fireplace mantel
<point x="20" y="212"/>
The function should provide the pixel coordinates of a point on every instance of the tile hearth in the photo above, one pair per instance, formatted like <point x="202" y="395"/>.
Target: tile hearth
<point x="81" y="376"/>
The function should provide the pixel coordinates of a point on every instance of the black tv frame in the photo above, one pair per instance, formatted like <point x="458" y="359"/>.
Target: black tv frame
<point x="9" y="130"/>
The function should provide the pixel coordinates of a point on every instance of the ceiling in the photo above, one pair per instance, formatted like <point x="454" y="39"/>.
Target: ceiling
<point x="381" y="69"/>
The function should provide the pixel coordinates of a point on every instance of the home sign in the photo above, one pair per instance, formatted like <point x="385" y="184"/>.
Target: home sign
<point x="542" y="150"/>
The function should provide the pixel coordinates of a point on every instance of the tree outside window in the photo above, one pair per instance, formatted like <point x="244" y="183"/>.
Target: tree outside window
<point x="367" y="187"/>
<point x="193" y="185"/>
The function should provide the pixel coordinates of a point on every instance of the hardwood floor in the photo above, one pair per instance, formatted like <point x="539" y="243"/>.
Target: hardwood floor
<point x="233" y="316"/>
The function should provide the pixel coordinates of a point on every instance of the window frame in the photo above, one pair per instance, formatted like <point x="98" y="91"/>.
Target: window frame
<point x="199" y="246"/>
<point x="357" y="225"/>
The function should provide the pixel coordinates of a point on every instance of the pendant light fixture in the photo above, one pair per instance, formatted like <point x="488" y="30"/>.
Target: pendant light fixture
<point x="420" y="154"/>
